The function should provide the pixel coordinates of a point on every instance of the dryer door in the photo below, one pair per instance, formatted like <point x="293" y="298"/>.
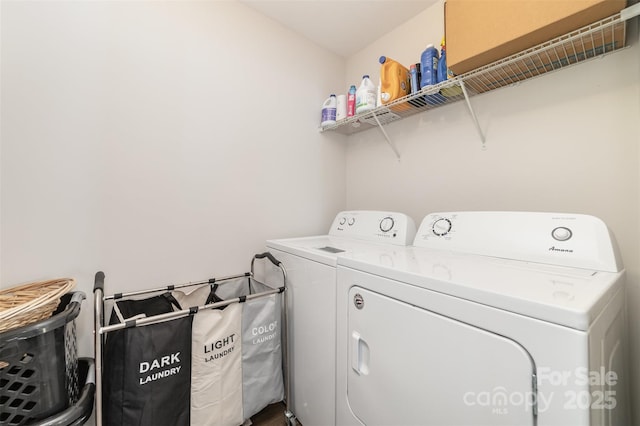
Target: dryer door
<point x="410" y="366"/>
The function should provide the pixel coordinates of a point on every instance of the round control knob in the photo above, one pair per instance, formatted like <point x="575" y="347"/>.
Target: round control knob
<point x="561" y="233"/>
<point x="343" y="221"/>
<point x="386" y="224"/>
<point x="441" y="227"/>
<point x="351" y="221"/>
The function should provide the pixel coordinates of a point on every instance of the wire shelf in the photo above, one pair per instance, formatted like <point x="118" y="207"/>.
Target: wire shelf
<point x="591" y="41"/>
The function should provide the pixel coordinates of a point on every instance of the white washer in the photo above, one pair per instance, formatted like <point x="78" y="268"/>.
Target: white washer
<point x="310" y="263"/>
<point x="492" y="318"/>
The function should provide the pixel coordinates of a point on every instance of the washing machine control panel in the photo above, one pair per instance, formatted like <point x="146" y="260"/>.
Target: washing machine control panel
<point x="386" y="227"/>
<point x="553" y="238"/>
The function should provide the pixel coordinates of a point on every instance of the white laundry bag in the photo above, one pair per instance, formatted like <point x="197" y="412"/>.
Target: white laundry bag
<point x="216" y="362"/>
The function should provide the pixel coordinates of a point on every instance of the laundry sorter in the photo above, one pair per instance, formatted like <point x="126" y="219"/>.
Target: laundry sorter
<point x="211" y="352"/>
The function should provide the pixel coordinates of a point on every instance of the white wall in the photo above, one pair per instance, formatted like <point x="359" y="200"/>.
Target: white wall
<point x="565" y="142"/>
<point x="160" y="142"/>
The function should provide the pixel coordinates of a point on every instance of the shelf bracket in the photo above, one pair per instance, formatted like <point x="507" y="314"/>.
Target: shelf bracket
<point x="473" y="115"/>
<point x="391" y="145"/>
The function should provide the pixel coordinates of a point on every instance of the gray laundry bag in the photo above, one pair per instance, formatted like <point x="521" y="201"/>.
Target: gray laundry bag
<point x="262" y="382"/>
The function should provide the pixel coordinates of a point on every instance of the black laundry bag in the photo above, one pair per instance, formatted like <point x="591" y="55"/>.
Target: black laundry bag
<point x="147" y="369"/>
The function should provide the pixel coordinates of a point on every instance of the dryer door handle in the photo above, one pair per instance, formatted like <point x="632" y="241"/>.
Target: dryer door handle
<point x="359" y="354"/>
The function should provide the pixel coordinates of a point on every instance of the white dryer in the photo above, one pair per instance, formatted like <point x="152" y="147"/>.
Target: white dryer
<point x="492" y="318"/>
<point x="311" y="263"/>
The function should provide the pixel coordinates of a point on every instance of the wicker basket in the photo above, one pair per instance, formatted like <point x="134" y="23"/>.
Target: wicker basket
<point x="32" y="302"/>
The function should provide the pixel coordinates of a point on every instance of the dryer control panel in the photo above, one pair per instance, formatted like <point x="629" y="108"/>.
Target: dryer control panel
<point x="385" y="227"/>
<point x="563" y="239"/>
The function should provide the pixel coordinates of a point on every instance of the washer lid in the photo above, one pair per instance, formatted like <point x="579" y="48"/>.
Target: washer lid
<point x="325" y="248"/>
<point x="566" y="296"/>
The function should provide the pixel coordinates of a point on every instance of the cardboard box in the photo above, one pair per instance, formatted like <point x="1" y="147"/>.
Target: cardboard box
<point x="479" y="32"/>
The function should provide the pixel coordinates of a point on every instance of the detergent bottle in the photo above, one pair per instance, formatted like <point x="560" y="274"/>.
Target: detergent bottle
<point x="442" y="63"/>
<point x="366" y="95"/>
<point x="414" y="75"/>
<point x="351" y="101"/>
<point x="329" y="109"/>
<point x="394" y="80"/>
<point x="429" y="66"/>
<point x="444" y="74"/>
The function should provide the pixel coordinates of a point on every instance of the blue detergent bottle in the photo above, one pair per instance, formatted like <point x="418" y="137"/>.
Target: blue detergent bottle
<point x="429" y="68"/>
<point x="444" y="74"/>
<point x="442" y="63"/>
<point x="415" y="77"/>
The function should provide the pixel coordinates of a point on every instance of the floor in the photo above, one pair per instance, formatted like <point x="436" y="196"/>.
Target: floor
<point x="272" y="415"/>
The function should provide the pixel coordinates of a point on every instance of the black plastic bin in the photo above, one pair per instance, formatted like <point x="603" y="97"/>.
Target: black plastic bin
<point x="80" y="412"/>
<point x="39" y="366"/>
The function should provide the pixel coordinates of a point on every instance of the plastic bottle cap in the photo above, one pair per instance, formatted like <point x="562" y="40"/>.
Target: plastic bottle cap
<point x="383" y="59"/>
<point x="429" y="45"/>
<point x="365" y="76"/>
<point x="333" y="94"/>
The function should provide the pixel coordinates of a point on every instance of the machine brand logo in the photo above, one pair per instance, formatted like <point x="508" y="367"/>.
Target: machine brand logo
<point x="358" y="301"/>
<point x="553" y="248"/>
